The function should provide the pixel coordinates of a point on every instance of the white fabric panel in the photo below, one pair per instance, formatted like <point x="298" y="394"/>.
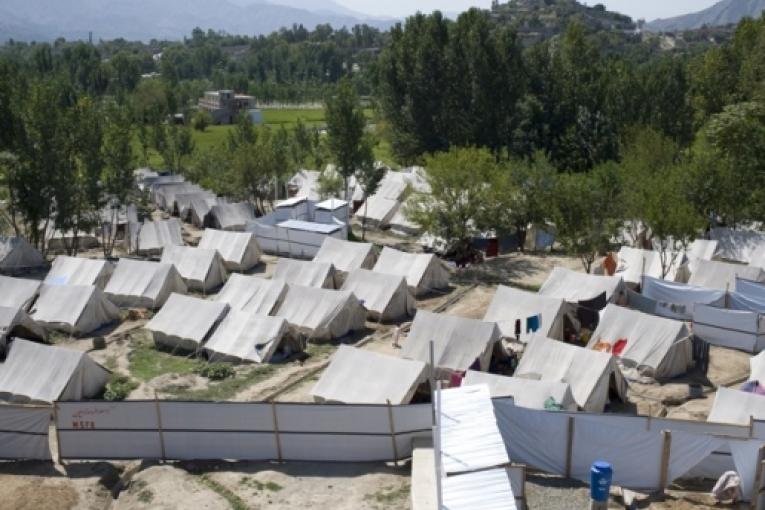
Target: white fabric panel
<point x="722" y="275"/>
<point x="470" y="438"/>
<point x="155" y="236"/>
<point x="757" y="365"/>
<point x="212" y="416"/>
<point x="214" y="445"/>
<point x="699" y="427"/>
<point x="386" y="297"/>
<point x="295" y="208"/>
<point x="24" y="433"/>
<point x="75" y="309"/>
<point x="524" y="392"/>
<point x="42" y="374"/>
<point x="728" y="328"/>
<point x="378" y="211"/>
<point x="337" y="448"/>
<point x="18" y="292"/>
<point x="345" y="255"/>
<point x="185" y="322"/>
<point x="293" y="238"/>
<point x="322" y="313"/>
<point x="415" y="417"/>
<point x="738" y="301"/>
<point x="734" y="406"/>
<point x="750" y="289"/>
<point x="232" y="216"/>
<point x="357" y="376"/>
<point x="252" y="294"/>
<point x="654" y="344"/>
<point x="700" y="249"/>
<point x="633" y="263"/>
<point x="201" y="270"/>
<point x="424" y="273"/>
<point x="676" y="300"/>
<point x="484" y="490"/>
<point x="588" y="372"/>
<point x="79" y="271"/>
<point x="737" y="245"/>
<point x="239" y="250"/>
<point x="509" y="305"/>
<point x="745" y="455"/>
<point x="245" y="336"/>
<point x="139" y="283"/>
<point x="17" y="255"/>
<point x="337" y="419"/>
<point x="574" y="286"/>
<point x="304" y="273"/>
<point x="106" y="444"/>
<point x="458" y="342"/>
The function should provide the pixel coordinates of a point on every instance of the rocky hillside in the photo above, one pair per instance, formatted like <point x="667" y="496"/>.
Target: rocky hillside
<point x="726" y="12"/>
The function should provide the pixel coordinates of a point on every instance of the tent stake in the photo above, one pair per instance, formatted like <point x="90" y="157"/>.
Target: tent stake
<point x="392" y="431"/>
<point x="569" y="446"/>
<point x="277" y="436"/>
<point x="159" y="428"/>
<point x="664" y="470"/>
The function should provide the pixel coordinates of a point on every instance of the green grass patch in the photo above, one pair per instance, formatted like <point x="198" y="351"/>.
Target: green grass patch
<point x="146" y="362"/>
<point x="119" y="387"/>
<point x="314" y="350"/>
<point x="252" y="483"/>
<point x="233" y="500"/>
<point x="389" y="497"/>
<point x="225" y="390"/>
<point x="288" y="117"/>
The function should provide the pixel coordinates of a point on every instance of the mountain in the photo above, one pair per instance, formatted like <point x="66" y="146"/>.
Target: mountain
<point x="45" y="20"/>
<point x="726" y="12"/>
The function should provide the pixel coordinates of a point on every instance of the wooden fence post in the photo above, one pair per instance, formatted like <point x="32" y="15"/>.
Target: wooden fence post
<point x="277" y="436"/>
<point x="758" y="479"/>
<point x="392" y="432"/>
<point x="665" y="454"/>
<point x="159" y="427"/>
<point x="58" y="434"/>
<point x="570" y="446"/>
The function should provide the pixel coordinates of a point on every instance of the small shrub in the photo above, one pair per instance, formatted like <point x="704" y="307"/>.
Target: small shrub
<point x="119" y="387"/>
<point x="216" y="371"/>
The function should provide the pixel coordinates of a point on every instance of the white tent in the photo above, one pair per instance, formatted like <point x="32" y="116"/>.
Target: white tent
<point x="588" y="372"/>
<point x="165" y="192"/>
<point x="245" y="336"/>
<point x="329" y="210"/>
<point x="736" y="407"/>
<point x="424" y="273"/>
<point x="74" y="309"/>
<point x="577" y="287"/>
<point x="34" y="373"/>
<point x="401" y="224"/>
<point x="722" y="275"/>
<point x="198" y="210"/>
<point x="307" y="274"/>
<point x="182" y="206"/>
<point x="79" y="271"/>
<point x="201" y="270"/>
<point x="676" y="300"/>
<point x="457" y="342"/>
<point x="17" y="255"/>
<point x="252" y="294"/>
<point x="346" y="255"/>
<point x="143" y="284"/>
<point x="185" y="322"/>
<point x="378" y="211"/>
<point x="294" y="238"/>
<point x="155" y="236"/>
<point x="358" y="376"/>
<point x="700" y="249"/>
<point x="529" y="393"/>
<point x="757" y="366"/>
<point x="231" y="216"/>
<point x="510" y="305"/>
<point x="655" y="346"/>
<point x="239" y="250"/>
<point x="18" y="292"/>
<point x="385" y="296"/>
<point x="737" y="245"/>
<point x="16" y="322"/>
<point x="634" y="263"/>
<point x="322" y="314"/>
<point x="736" y="329"/>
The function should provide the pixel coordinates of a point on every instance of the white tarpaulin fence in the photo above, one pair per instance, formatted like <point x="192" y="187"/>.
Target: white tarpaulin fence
<point x="24" y="432"/>
<point x="239" y="431"/>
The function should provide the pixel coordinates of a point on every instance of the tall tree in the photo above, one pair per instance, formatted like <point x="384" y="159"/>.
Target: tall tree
<point x="117" y="176"/>
<point x="345" y="130"/>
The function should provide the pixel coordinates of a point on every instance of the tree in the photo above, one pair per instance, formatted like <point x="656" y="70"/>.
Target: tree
<point x="368" y="176"/>
<point x="330" y="183"/>
<point x="201" y="120"/>
<point x="117" y="175"/>
<point x="345" y="129"/>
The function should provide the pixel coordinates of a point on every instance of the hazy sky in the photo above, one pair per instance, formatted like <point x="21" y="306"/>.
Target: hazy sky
<point x="647" y="9"/>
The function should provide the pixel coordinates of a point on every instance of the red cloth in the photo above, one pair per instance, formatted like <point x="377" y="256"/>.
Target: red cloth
<point x="455" y="379"/>
<point x="619" y="347"/>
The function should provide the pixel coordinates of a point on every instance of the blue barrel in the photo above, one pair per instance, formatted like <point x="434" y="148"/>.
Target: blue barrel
<point x="601" y="475"/>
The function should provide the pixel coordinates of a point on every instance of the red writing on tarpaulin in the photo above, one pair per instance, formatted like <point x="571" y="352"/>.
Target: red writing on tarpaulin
<point x="82" y="413"/>
<point x="83" y="424"/>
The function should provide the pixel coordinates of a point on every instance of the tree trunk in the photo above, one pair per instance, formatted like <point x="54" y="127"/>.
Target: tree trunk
<point x="364" y="221"/>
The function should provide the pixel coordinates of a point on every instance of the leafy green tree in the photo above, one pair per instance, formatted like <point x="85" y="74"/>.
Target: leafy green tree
<point x="117" y="174"/>
<point x="368" y="176"/>
<point x="345" y="130"/>
<point x="201" y="120"/>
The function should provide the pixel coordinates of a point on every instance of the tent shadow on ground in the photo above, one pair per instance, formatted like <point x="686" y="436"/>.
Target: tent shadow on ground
<point x="298" y="469"/>
<point x="502" y="269"/>
<point x="107" y="473"/>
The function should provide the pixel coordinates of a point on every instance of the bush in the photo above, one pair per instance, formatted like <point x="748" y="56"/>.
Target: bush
<point x="201" y="120"/>
<point x="216" y="371"/>
<point x="119" y="387"/>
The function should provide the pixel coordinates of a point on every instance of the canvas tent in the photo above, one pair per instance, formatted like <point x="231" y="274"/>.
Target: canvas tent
<point x="155" y="236"/>
<point x="577" y="287"/>
<point x="239" y="250"/>
<point x="16" y="322"/>
<point x="79" y="271"/>
<point x="700" y="249"/>
<point x="322" y="314"/>
<point x="183" y="202"/>
<point x="358" y="376"/>
<point x="18" y="292"/>
<point x="634" y="264"/>
<point x="202" y="270"/>
<point x="386" y="297"/>
<point x="510" y="305"/>
<point x="230" y="216"/>
<point x="185" y="322"/>
<point x="307" y="274"/>
<point x="757" y="368"/>
<point x="424" y="273"/>
<point x="42" y="374"/>
<point x="17" y="256"/>
<point x="589" y="373"/>
<point x="722" y="275"/>
<point x="346" y="256"/>
<point x="378" y="211"/>
<point x="458" y="342"/>
<point x="143" y="284"/>
<point x="245" y="336"/>
<point x="737" y="245"/>
<point x="198" y="210"/>
<point x="74" y="309"/>
<point x="655" y="346"/>
<point x="528" y="393"/>
<point x="676" y="300"/>
<point x="401" y="224"/>
<point x="740" y="329"/>
<point x="252" y="294"/>
<point x="736" y="407"/>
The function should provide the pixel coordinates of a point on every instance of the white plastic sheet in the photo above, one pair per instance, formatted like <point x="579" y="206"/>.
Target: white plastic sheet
<point x="575" y="287"/>
<point x="18" y="292"/>
<point x="79" y="271"/>
<point x="484" y="490"/>
<point x="24" y="433"/>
